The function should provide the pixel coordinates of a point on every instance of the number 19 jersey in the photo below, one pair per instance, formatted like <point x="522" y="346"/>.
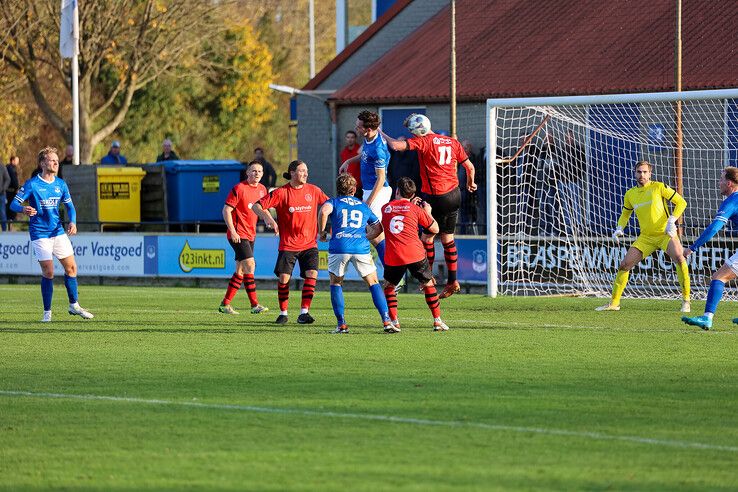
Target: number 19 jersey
<point x="348" y="223"/>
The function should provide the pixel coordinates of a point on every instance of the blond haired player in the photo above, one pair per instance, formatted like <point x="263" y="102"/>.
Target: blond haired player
<point x="658" y="231"/>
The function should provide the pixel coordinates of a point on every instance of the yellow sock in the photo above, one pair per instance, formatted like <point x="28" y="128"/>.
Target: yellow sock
<point x="621" y="280"/>
<point x="683" y="276"/>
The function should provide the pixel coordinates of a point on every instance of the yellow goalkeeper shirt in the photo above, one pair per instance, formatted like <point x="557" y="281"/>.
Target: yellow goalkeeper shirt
<point x="649" y="204"/>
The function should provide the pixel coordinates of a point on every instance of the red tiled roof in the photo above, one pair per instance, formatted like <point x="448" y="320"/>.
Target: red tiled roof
<point x="349" y="50"/>
<point x="509" y="48"/>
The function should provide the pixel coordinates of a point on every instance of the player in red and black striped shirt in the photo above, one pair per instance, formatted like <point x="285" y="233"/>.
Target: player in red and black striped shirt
<point x="438" y="156"/>
<point x="241" y="223"/>
<point x="297" y="205"/>
<point x="401" y="219"/>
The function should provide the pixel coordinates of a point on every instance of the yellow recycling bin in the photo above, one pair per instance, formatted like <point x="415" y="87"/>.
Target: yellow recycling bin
<point x="119" y="194"/>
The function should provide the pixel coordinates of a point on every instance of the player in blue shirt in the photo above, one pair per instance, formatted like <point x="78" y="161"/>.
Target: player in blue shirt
<point x="353" y="224"/>
<point x="374" y="158"/>
<point x="44" y="192"/>
<point x="729" y="270"/>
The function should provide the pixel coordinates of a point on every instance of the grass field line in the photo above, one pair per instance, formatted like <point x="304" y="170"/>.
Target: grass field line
<point x="380" y="418"/>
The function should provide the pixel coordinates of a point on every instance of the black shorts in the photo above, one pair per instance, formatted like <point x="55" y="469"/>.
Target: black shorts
<point x="445" y="209"/>
<point x="421" y="270"/>
<point x="244" y="250"/>
<point x="308" y="260"/>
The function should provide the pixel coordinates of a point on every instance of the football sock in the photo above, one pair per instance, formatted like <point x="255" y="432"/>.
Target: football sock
<point x="250" y="285"/>
<point x="47" y="292"/>
<point x="380" y="302"/>
<point x="308" y="291"/>
<point x="618" y="287"/>
<point x="283" y="293"/>
<point x="380" y="251"/>
<point x="71" y="284"/>
<point x="389" y="294"/>
<point x="683" y="276"/>
<point x="431" y="298"/>
<point x="451" y="255"/>
<point x="430" y="253"/>
<point x="714" y="294"/>
<point x="233" y="285"/>
<point x="337" y="303"/>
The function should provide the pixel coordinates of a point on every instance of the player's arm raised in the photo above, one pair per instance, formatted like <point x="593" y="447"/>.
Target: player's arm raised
<point x="394" y="144"/>
<point x="433" y="227"/>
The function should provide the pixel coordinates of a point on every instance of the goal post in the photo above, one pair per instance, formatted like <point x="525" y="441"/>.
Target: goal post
<point x="558" y="168"/>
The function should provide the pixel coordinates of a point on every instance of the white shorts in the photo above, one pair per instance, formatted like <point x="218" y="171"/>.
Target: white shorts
<point x="732" y="262"/>
<point x="364" y="264"/>
<point x="47" y="248"/>
<point x="383" y="197"/>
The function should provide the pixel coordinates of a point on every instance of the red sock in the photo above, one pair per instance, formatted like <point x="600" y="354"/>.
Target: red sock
<point x="451" y="255"/>
<point x="233" y="285"/>
<point x="283" y="292"/>
<point x="250" y="285"/>
<point x="389" y="293"/>
<point x="431" y="298"/>
<point x="430" y="253"/>
<point x="308" y="291"/>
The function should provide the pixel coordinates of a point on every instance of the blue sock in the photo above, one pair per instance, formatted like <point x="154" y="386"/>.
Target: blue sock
<point x="380" y="302"/>
<point x="47" y="292"/>
<point x="714" y="295"/>
<point x="380" y="251"/>
<point x="71" y="284"/>
<point x="337" y="303"/>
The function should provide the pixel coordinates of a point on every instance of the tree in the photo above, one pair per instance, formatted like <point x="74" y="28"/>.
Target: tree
<point x="124" y="46"/>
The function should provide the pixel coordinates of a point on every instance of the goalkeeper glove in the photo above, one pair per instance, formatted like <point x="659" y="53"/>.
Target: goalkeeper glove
<point x="618" y="234"/>
<point x="671" y="228"/>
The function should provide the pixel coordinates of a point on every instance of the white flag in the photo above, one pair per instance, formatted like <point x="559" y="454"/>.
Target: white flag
<point x="66" y="30"/>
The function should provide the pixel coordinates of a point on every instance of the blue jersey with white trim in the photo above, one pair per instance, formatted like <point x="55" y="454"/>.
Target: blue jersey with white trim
<point x="348" y="223"/>
<point x="728" y="212"/>
<point x="374" y="155"/>
<point x="45" y="198"/>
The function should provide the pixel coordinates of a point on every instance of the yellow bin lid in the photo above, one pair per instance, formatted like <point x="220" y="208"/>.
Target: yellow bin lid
<point x="120" y="171"/>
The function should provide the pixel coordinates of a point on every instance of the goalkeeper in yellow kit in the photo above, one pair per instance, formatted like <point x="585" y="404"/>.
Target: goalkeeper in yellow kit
<point x="658" y="231"/>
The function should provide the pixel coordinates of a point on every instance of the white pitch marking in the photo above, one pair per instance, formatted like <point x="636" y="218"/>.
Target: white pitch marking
<point x="382" y="418"/>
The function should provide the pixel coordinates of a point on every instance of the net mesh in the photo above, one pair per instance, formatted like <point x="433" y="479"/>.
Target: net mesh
<point x="562" y="172"/>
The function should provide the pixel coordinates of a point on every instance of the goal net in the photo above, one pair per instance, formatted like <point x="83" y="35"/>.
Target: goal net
<point x="563" y="166"/>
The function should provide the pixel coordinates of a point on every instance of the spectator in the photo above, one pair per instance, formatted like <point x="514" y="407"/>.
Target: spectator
<point x="4" y="186"/>
<point x="352" y="150"/>
<point x="114" y="156"/>
<point x="67" y="161"/>
<point x="270" y="175"/>
<point x="469" y="199"/>
<point x="14" y="172"/>
<point x="168" y="154"/>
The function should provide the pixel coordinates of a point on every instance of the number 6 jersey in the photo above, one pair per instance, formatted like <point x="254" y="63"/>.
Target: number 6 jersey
<point x="402" y="220"/>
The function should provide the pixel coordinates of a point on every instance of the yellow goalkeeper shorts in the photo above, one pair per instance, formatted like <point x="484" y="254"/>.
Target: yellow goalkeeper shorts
<point x="649" y="244"/>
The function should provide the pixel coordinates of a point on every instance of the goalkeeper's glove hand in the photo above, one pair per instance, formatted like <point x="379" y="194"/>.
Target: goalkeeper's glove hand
<point x="618" y="234"/>
<point x="671" y="228"/>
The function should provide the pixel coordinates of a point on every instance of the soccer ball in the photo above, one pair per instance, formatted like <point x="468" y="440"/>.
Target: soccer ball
<point x="418" y="124"/>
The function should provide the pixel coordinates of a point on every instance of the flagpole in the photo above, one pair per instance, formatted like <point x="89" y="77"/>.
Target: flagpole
<point x="75" y="86"/>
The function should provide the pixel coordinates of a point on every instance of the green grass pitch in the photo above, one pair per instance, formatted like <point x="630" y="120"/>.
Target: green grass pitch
<point x="161" y="392"/>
